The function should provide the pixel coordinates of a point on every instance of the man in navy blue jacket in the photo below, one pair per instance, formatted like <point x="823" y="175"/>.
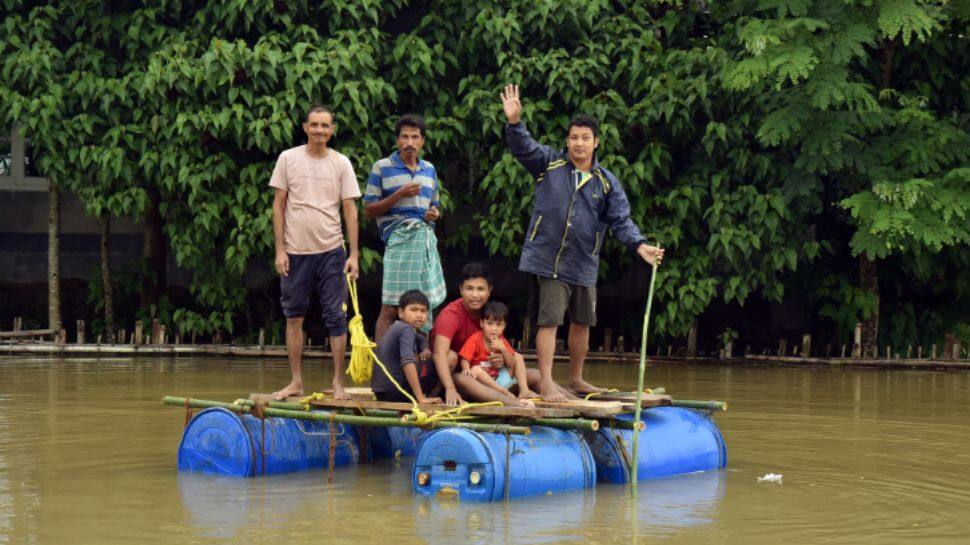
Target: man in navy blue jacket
<point x="576" y="200"/>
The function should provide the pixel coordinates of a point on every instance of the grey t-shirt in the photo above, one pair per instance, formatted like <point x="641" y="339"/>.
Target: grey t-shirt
<point x="399" y="346"/>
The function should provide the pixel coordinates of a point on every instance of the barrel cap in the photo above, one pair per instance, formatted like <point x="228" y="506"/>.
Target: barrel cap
<point x="216" y="441"/>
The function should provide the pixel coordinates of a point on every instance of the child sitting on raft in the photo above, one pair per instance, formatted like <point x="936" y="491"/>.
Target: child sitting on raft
<point x="474" y="355"/>
<point x="405" y="353"/>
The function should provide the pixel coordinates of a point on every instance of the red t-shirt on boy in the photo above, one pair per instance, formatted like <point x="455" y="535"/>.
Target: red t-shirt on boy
<point x="476" y="353"/>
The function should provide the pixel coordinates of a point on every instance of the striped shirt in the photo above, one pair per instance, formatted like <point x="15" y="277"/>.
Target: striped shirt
<point x="388" y="175"/>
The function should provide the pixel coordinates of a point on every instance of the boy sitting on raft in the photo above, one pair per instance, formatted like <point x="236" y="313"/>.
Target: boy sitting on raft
<point x="474" y="355"/>
<point x="404" y="352"/>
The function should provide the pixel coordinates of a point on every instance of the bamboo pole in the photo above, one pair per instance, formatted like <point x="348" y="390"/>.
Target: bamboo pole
<point x="325" y="416"/>
<point x="704" y="405"/>
<point x="623" y="424"/>
<point x="643" y="366"/>
<point x="581" y="424"/>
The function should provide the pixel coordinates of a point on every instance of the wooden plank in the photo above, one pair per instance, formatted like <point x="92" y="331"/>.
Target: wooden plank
<point x="495" y="411"/>
<point x="27" y="333"/>
<point x="593" y="407"/>
<point x="356" y="392"/>
<point x="589" y="409"/>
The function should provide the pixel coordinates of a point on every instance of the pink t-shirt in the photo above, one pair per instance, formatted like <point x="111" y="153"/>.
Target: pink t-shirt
<point x="315" y="189"/>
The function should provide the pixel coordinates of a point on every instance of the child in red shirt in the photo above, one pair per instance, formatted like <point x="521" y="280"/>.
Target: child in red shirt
<point x="474" y="354"/>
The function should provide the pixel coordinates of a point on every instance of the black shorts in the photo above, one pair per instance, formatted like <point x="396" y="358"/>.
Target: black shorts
<point x="427" y="375"/>
<point x="325" y="274"/>
<point x="393" y="396"/>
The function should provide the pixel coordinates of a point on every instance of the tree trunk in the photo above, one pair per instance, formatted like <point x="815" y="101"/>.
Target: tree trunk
<point x="54" y="258"/>
<point x="692" y="340"/>
<point x="868" y="277"/>
<point x="154" y="253"/>
<point x="869" y="282"/>
<point x="109" y="313"/>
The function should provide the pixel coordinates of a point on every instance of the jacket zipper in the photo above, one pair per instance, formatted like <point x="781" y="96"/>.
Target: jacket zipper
<point x="562" y="243"/>
<point x="536" y="228"/>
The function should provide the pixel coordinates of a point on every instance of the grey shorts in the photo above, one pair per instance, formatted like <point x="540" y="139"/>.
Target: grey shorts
<point x="557" y="297"/>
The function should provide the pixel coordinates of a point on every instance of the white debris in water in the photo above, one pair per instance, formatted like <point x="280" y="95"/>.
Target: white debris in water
<point x="770" y="478"/>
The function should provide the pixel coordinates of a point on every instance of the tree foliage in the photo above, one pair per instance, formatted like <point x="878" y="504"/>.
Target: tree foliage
<point x="741" y="130"/>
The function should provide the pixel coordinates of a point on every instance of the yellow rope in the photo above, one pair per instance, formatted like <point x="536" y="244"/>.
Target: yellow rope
<point x="362" y="355"/>
<point x="594" y="394"/>
<point x="362" y="358"/>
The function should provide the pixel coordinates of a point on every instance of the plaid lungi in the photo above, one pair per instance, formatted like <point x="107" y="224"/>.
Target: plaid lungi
<point x="411" y="262"/>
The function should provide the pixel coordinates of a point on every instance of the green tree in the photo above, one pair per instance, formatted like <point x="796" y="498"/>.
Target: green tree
<point x="827" y="70"/>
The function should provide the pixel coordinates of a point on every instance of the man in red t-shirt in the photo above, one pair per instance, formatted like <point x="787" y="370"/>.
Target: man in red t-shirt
<point x="456" y="322"/>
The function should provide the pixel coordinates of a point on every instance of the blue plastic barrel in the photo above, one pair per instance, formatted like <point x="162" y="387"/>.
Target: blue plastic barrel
<point x="676" y="441"/>
<point x="221" y="442"/>
<point x="393" y="442"/>
<point x="473" y="465"/>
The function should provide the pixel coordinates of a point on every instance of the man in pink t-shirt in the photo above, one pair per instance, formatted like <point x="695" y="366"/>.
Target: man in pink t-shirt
<point x="312" y="183"/>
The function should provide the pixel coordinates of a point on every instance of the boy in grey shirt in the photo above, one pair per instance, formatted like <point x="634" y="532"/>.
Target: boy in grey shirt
<point x="405" y="354"/>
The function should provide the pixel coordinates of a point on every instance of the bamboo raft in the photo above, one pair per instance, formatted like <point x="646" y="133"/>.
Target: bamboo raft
<point x="363" y="409"/>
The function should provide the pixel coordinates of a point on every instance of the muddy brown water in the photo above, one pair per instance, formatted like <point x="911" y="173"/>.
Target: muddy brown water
<point x="88" y="455"/>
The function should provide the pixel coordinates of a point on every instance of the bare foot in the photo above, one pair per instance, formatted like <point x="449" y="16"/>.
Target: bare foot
<point x="292" y="389"/>
<point x="513" y="401"/>
<point x="581" y="387"/>
<point x="549" y="392"/>
<point x="525" y="393"/>
<point x="338" y="391"/>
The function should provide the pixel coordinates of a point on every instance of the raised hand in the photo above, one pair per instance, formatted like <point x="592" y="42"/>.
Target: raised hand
<point x="511" y="104"/>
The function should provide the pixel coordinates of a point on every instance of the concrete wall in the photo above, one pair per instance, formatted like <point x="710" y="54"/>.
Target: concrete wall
<point x="23" y="239"/>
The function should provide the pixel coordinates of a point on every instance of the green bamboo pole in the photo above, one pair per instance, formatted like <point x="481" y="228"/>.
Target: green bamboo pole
<point x="622" y="424"/>
<point x="580" y="424"/>
<point x="325" y="416"/>
<point x="705" y="405"/>
<point x="643" y="365"/>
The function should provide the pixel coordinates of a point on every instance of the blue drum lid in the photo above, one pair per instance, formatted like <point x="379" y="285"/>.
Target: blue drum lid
<point x="216" y="441"/>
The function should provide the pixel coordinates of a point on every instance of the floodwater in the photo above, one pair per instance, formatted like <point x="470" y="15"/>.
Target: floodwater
<point x="88" y="455"/>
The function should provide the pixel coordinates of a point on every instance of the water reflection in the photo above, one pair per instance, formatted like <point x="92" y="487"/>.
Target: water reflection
<point x="225" y="507"/>
<point x="545" y="519"/>
<point x="664" y="504"/>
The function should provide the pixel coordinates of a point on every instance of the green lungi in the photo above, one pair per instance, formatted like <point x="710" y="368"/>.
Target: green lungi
<point x="411" y="262"/>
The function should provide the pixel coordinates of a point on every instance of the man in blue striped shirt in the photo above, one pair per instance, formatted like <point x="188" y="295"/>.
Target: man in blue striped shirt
<point x="403" y="194"/>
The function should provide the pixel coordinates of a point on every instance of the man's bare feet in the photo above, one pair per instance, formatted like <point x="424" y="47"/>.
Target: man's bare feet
<point x="581" y="387"/>
<point x="338" y="391"/>
<point x="291" y="389"/>
<point x="549" y="392"/>
<point x="525" y="393"/>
